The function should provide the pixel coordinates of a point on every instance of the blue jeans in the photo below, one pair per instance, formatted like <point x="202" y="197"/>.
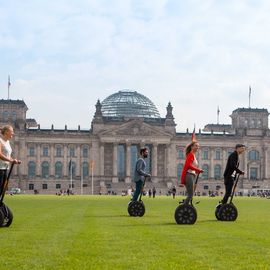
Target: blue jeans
<point x="139" y="185"/>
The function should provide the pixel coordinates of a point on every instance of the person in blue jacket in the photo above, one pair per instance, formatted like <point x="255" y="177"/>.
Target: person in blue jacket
<point x="140" y="174"/>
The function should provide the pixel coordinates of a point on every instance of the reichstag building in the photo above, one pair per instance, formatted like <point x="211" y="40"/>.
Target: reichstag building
<point x="101" y="159"/>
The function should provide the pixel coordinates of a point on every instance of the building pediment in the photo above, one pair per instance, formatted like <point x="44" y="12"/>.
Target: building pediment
<point x="135" y="128"/>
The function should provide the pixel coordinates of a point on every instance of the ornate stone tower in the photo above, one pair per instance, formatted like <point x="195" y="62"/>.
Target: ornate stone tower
<point x="249" y="121"/>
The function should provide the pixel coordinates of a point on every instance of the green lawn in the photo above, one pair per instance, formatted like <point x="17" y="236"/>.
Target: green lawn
<point x="95" y="232"/>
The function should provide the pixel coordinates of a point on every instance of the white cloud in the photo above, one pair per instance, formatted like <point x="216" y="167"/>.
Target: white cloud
<point x="64" y="55"/>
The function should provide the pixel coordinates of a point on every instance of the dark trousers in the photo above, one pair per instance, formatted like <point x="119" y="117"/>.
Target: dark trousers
<point x="3" y="177"/>
<point x="139" y="185"/>
<point x="228" y="181"/>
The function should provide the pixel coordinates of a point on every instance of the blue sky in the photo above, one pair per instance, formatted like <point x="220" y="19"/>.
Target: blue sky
<point x="64" y="55"/>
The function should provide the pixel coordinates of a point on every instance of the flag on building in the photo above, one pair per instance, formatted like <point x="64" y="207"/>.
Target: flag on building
<point x="193" y="137"/>
<point x="8" y="85"/>
<point x="9" y="81"/>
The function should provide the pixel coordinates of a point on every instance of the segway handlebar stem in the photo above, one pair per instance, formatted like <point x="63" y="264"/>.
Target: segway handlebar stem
<point x="5" y="184"/>
<point x="234" y="185"/>
<point x="196" y="181"/>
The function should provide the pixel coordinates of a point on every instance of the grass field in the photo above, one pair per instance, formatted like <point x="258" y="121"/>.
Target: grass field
<point x="95" y="232"/>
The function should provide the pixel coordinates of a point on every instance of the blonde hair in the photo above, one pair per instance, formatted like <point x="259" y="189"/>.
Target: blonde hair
<point x="189" y="146"/>
<point x="5" y="128"/>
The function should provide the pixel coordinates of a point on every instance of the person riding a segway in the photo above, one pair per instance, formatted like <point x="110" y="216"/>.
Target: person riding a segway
<point x="5" y="161"/>
<point x="185" y="213"/>
<point x="135" y="206"/>
<point x="227" y="211"/>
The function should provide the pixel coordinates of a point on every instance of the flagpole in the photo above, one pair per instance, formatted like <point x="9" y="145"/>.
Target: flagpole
<point x="249" y="95"/>
<point x="218" y="111"/>
<point x="8" y="85"/>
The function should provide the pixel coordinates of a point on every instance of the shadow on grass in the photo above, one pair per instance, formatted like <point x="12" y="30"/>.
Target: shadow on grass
<point x="106" y="216"/>
<point x="207" y="221"/>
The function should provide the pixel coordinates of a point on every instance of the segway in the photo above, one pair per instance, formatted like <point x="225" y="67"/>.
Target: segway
<point x="228" y="211"/>
<point x="186" y="213"/>
<point x="136" y="208"/>
<point x="6" y="216"/>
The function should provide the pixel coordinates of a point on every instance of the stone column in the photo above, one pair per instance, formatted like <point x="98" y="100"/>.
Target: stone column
<point x="52" y="167"/>
<point x="244" y="166"/>
<point x="101" y="159"/>
<point x="78" y="161"/>
<point x="173" y="163"/>
<point x="167" y="160"/>
<point x="224" y="160"/>
<point x="154" y="162"/>
<point x="21" y="154"/>
<point x="115" y="163"/>
<point x="211" y="165"/>
<point x="16" y="155"/>
<point x="265" y="162"/>
<point x="128" y="179"/>
<point x="65" y="163"/>
<point x="38" y="160"/>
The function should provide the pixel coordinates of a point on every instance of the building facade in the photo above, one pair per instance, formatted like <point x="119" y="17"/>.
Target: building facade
<point x="102" y="158"/>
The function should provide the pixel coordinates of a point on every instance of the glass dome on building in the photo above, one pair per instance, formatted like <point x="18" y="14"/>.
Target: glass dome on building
<point x="129" y="104"/>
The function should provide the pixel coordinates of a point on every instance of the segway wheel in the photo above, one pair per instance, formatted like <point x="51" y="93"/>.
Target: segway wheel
<point x="217" y="211"/>
<point x="136" y="209"/>
<point x="8" y="216"/>
<point x="2" y="217"/>
<point x="185" y="214"/>
<point x="228" y="212"/>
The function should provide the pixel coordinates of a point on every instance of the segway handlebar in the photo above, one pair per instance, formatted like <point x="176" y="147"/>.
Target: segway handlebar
<point x="5" y="184"/>
<point x="196" y="181"/>
<point x="235" y="184"/>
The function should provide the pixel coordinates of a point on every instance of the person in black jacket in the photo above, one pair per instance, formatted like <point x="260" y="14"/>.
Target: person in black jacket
<point x="231" y="170"/>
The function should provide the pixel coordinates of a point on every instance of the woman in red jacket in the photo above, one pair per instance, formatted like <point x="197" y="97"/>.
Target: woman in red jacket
<point x="190" y="170"/>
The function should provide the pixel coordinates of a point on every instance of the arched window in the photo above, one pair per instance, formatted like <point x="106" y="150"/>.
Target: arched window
<point x="72" y="151"/>
<point x="181" y="154"/>
<point x="45" y="169"/>
<point x="85" y="152"/>
<point x="31" y="169"/>
<point x="58" y="169"/>
<point x="205" y="154"/>
<point x="5" y="115"/>
<point x="179" y="170"/>
<point x="14" y="116"/>
<point x="205" y="174"/>
<point x="218" y="154"/>
<point x="254" y="173"/>
<point x="58" y="151"/>
<point x="45" y="151"/>
<point x="254" y="155"/>
<point x="229" y="152"/>
<point x="85" y="169"/>
<point x="217" y="171"/>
